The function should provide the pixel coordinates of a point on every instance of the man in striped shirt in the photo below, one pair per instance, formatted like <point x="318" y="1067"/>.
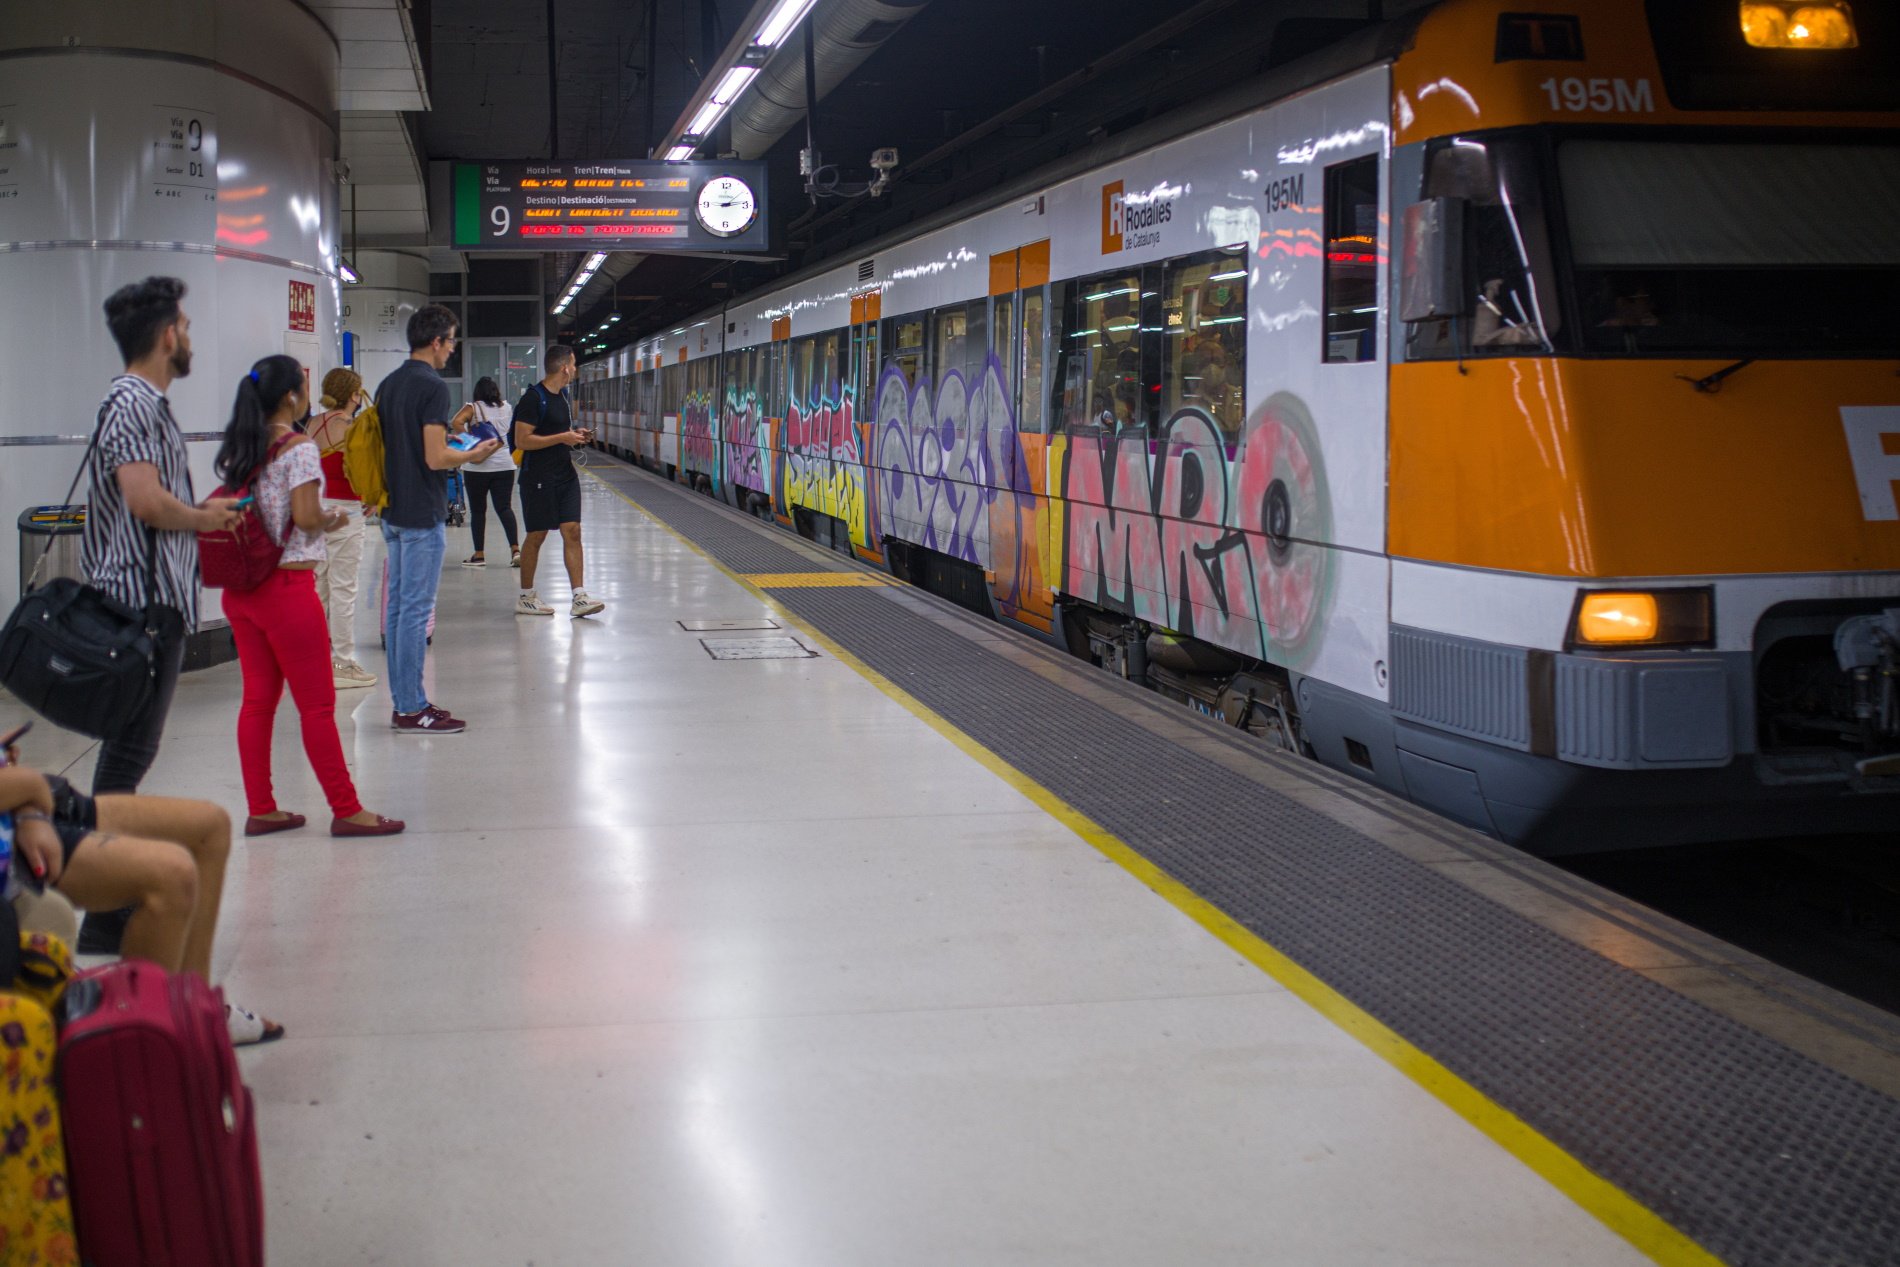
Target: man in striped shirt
<point x="142" y="522"/>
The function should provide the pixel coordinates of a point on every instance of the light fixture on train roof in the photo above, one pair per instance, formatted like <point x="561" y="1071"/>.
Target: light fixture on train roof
<point x="1782" y="24"/>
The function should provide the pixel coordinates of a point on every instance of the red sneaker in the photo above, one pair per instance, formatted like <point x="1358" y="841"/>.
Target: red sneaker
<point x="430" y="721"/>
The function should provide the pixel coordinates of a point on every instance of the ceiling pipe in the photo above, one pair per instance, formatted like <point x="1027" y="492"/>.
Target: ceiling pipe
<point x="844" y="33"/>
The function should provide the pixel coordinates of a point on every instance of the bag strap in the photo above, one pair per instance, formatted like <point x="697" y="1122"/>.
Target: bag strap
<point x="9" y="936"/>
<point x="85" y="460"/>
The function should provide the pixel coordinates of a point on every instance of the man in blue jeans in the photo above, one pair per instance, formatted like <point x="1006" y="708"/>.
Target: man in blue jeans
<point x="413" y="403"/>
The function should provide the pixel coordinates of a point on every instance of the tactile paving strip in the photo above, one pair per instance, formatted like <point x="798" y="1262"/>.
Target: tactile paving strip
<point x="1761" y="1154"/>
<point x="734" y="542"/>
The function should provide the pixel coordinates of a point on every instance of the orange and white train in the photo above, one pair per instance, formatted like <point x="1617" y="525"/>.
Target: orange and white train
<point x="1501" y="405"/>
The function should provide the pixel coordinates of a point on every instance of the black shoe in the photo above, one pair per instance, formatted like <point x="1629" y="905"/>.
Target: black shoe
<point x="102" y="932"/>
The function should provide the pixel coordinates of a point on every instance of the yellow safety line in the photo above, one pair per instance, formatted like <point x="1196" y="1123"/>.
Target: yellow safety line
<point x="810" y="580"/>
<point x="1616" y="1209"/>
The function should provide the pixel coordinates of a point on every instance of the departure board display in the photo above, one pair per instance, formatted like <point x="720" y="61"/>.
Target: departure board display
<point x="637" y="205"/>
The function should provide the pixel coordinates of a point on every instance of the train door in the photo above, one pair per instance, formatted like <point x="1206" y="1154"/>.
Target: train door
<point x="1018" y="439"/>
<point x="860" y="394"/>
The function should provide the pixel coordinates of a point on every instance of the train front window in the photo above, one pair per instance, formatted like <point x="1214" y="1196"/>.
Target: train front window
<point x="1733" y="248"/>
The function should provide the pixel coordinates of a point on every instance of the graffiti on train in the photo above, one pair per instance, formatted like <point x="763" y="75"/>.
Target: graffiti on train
<point x="823" y="462"/>
<point x="1220" y="544"/>
<point x="744" y="427"/>
<point x="944" y="458"/>
<point x="699" y="448"/>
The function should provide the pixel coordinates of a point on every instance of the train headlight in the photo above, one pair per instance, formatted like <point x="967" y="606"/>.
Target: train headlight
<point x="1778" y="24"/>
<point x="1644" y="618"/>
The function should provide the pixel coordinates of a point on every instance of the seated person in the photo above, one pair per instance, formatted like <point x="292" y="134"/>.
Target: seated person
<point x="162" y="856"/>
<point x="1493" y="327"/>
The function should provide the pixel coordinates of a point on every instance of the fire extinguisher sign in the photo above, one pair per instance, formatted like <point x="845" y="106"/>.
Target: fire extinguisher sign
<point x="303" y="306"/>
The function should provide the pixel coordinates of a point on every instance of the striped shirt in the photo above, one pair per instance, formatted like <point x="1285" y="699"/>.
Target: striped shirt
<point x="136" y="425"/>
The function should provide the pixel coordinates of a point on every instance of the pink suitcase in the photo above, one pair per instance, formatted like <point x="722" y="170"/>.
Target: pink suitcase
<point x="161" y="1140"/>
<point x="382" y="609"/>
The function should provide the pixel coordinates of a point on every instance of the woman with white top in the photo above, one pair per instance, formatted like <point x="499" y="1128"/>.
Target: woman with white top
<point x="492" y="478"/>
<point x="336" y="577"/>
<point x="279" y="626"/>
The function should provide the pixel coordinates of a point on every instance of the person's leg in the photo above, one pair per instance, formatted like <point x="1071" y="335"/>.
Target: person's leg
<point x="345" y="561"/>
<point x="478" y="486"/>
<point x="403" y="653"/>
<point x="503" y="491"/>
<point x="157" y="879"/>
<point x="571" y="555"/>
<point x="301" y="647"/>
<point x="123" y="762"/>
<point x="411" y="601"/>
<point x="251" y="618"/>
<point x="205" y="832"/>
<point x="530" y="556"/>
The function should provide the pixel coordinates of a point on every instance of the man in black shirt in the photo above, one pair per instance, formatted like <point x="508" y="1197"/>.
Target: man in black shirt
<point x="550" y="486"/>
<point x="413" y="404"/>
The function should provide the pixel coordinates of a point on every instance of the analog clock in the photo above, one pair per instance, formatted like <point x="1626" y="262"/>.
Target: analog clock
<point x="726" y="206"/>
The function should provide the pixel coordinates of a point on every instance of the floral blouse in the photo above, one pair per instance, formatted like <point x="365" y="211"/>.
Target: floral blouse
<point x="295" y="466"/>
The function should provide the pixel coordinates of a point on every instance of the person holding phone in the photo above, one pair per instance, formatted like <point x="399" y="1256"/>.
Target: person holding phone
<point x="162" y="858"/>
<point x="550" y="486"/>
<point x="279" y="627"/>
<point x="493" y="478"/>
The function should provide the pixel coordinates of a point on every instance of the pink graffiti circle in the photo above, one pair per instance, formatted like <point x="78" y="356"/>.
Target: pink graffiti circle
<point x="1283" y="484"/>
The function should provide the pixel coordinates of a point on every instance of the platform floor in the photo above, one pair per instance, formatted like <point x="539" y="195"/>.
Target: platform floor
<point x="689" y="960"/>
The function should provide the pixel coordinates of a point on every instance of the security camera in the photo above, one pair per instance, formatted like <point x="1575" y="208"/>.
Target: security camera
<point x="884" y="160"/>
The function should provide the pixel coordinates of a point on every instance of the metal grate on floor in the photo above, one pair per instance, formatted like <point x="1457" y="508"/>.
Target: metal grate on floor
<point x="1759" y="1153"/>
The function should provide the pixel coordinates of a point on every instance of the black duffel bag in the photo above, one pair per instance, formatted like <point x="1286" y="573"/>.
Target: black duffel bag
<point x="78" y="656"/>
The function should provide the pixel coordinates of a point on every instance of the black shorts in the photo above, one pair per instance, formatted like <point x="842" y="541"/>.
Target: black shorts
<point x="75" y="815"/>
<point x="546" y="506"/>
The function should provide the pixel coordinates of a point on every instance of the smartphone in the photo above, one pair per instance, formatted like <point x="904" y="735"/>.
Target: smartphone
<point x="243" y="502"/>
<point x="12" y="739"/>
<point x="464" y="442"/>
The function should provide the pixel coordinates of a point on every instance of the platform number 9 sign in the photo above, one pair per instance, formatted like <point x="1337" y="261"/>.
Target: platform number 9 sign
<point x="499" y="218"/>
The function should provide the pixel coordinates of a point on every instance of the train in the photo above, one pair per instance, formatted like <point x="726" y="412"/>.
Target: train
<point x="1498" y="404"/>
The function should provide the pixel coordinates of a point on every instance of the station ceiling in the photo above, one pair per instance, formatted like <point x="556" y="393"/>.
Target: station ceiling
<point x="970" y="92"/>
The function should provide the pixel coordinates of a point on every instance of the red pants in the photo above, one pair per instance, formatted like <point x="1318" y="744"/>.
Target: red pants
<point x="282" y="637"/>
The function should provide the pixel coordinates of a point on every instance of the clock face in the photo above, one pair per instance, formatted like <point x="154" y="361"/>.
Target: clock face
<point x="726" y="206"/>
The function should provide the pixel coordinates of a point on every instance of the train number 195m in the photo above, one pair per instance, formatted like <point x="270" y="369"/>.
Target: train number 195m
<point x="1600" y="96"/>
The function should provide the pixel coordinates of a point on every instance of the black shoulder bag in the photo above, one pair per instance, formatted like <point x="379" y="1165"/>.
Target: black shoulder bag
<point x="78" y="656"/>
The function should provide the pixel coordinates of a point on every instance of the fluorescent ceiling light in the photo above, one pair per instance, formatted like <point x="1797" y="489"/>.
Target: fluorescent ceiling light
<point x="732" y="83"/>
<point x="781" y="21"/>
<point x="679" y="152"/>
<point x="348" y="274"/>
<point x="703" y="121"/>
<point x="1228" y="277"/>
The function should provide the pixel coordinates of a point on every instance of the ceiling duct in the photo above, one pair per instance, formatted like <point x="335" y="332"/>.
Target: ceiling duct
<point x="844" y="32"/>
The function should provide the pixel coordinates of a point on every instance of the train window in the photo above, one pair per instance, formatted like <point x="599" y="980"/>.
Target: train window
<point x="949" y="330"/>
<point x="1204" y="336"/>
<point x="1003" y="341"/>
<point x="829" y="365"/>
<point x="803" y="392"/>
<point x="1352" y="261"/>
<point x="907" y="347"/>
<point x="1100" y="364"/>
<point x="1506" y="250"/>
<point x="1032" y="337"/>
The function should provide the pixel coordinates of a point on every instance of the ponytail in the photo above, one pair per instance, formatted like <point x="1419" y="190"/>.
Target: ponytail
<point x="247" y="437"/>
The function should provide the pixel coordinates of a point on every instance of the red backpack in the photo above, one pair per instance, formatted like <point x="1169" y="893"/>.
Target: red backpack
<point x="243" y="556"/>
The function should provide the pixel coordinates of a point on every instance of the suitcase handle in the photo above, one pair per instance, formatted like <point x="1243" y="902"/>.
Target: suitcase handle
<point x="80" y="1000"/>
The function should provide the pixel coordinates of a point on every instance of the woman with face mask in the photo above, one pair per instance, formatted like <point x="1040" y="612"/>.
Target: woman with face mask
<point x="279" y="626"/>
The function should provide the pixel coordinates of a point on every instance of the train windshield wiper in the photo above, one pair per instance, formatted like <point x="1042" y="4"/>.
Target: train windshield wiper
<point x="1712" y="383"/>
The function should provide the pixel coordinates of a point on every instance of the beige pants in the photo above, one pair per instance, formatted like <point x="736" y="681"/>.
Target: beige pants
<point x="336" y="577"/>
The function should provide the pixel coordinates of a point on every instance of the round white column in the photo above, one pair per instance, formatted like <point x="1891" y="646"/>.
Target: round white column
<point x="194" y="139"/>
<point x="376" y="310"/>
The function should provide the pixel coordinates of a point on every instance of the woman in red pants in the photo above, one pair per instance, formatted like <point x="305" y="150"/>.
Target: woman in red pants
<point x="280" y="630"/>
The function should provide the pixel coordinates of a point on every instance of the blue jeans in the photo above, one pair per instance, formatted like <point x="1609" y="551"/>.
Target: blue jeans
<point x="415" y="570"/>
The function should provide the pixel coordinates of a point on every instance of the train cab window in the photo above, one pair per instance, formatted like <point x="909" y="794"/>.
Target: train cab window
<point x="1352" y="261"/>
<point x="1034" y="392"/>
<point x="1100" y="366"/>
<point x="1204" y="336"/>
<point x="1507" y="255"/>
<point x="907" y="347"/>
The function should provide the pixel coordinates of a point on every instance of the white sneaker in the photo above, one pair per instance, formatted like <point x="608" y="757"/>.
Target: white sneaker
<point x="585" y="606"/>
<point x="348" y="674"/>
<point x="248" y="1027"/>
<point x="530" y="604"/>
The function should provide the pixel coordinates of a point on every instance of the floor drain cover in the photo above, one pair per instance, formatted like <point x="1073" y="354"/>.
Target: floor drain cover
<point x="757" y="649"/>
<point x="716" y="626"/>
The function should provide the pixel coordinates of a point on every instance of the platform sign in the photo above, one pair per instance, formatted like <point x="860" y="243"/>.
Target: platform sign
<point x="635" y="205"/>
